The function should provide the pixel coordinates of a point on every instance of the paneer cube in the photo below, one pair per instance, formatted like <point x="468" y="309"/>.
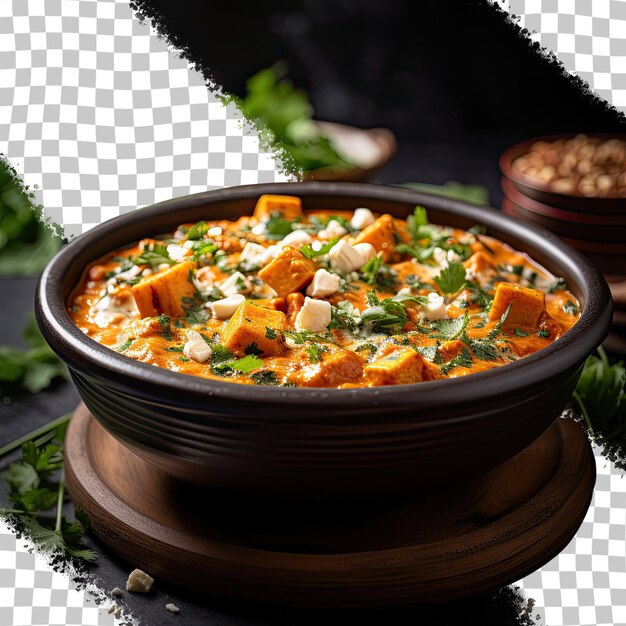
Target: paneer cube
<point x="164" y="292"/>
<point x="527" y="306"/>
<point x="290" y="271"/>
<point x="289" y="207"/>
<point x="381" y="235"/>
<point x="400" y="367"/>
<point x="450" y="349"/>
<point x="251" y="324"/>
<point x="335" y="367"/>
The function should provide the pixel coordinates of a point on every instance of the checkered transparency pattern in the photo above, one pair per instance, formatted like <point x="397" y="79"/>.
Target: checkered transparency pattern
<point x="32" y="593"/>
<point x="102" y="117"/>
<point x="585" y="585"/>
<point x="587" y="36"/>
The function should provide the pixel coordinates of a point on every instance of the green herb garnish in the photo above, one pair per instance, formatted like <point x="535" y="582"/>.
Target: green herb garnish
<point x="127" y="344"/>
<point x="315" y="352"/>
<point x="36" y="489"/>
<point x="452" y="328"/>
<point x="243" y="365"/>
<point x="164" y="322"/>
<point x="311" y="252"/>
<point x="463" y="359"/>
<point x="451" y="279"/>
<point x="154" y="255"/>
<point x="266" y="378"/>
<point x="32" y="369"/>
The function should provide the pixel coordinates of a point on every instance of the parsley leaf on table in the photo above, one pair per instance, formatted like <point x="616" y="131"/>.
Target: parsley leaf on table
<point x="601" y="397"/>
<point x="36" y="490"/>
<point x="32" y="369"/>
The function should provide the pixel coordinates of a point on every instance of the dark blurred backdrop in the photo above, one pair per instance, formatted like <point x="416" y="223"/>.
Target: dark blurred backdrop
<point x="453" y="80"/>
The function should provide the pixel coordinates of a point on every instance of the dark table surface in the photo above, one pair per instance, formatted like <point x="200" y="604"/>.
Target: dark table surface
<point x="25" y="412"/>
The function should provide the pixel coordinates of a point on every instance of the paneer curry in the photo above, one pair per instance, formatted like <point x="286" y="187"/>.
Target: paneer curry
<point x="319" y="298"/>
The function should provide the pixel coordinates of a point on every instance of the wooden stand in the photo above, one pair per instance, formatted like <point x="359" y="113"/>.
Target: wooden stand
<point x="442" y="547"/>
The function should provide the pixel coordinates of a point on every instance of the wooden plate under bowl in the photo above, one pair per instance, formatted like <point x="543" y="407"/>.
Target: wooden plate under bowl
<point x="480" y="536"/>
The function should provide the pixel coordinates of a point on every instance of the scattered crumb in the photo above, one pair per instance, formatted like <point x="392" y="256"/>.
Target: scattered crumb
<point x="117" y="592"/>
<point x="112" y="608"/>
<point x="172" y="608"/>
<point x="139" y="582"/>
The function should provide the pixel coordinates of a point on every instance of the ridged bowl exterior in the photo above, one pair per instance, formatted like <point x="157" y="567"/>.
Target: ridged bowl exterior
<point x="298" y="443"/>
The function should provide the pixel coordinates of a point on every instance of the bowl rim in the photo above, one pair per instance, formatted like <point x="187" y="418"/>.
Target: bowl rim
<point x="506" y="159"/>
<point x="81" y="352"/>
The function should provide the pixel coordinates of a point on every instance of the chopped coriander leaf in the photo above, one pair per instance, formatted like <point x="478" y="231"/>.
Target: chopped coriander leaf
<point x="543" y="333"/>
<point x="203" y="249"/>
<point x="270" y="333"/>
<point x="300" y="337"/>
<point x="342" y="316"/>
<point x="277" y="226"/>
<point x="368" y="345"/>
<point x="243" y="365"/>
<point x="463" y="359"/>
<point x="370" y="270"/>
<point x="315" y="352"/>
<point x="385" y="316"/>
<point x="197" y="231"/>
<point x="375" y="272"/>
<point x="219" y="353"/>
<point x="430" y="353"/>
<point x="166" y="330"/>
<point x="570" y="308"/>
<point x="497" y="329"/>
<point x="154" y="255"/>
<point x="484" y="349"/>
<point x="521" y="333"/>
<point x="311" y="251"/>
<point x="451" y="279"/>
<point x="478" y="296"/>
<point x="416" y="221"/>
<point x="452" y="328"/>
<point x="266" y="378"/>
<point x="127" y="344"/>
<point x="408" y="299"/>
<point x="196" y="316"/>
<point x="174" y="349"/>
<point x="184" y="359"/>
<point x="253" y="348"/>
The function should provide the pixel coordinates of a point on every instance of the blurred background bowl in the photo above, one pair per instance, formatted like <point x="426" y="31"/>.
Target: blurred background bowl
<point x="368" y="149"/>
<point x="540" y="191"/>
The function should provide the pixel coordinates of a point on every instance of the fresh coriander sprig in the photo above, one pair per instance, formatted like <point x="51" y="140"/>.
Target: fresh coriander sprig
<point x="34" y="492"/>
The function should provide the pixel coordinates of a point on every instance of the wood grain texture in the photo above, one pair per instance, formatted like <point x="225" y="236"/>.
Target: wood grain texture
<point x="444" y="546"/>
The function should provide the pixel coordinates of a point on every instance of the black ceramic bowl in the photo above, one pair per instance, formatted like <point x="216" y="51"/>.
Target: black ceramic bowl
<point x="308" y="443"/>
